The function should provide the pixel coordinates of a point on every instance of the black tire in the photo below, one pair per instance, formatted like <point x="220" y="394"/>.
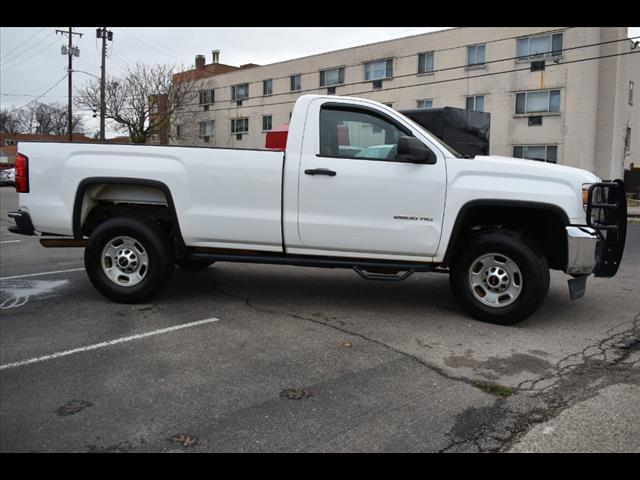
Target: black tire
<point x="527" y="257"/>
<point x="192" y="264"/>
<point x="157" y="246"/>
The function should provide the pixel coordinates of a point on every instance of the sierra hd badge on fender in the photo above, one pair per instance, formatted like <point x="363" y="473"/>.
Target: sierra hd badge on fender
<point x="412" y="217"/>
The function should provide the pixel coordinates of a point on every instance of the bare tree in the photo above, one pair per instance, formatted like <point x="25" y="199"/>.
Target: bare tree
<point x="131" y="100"/>
<point x="9" y="121"/>
<point x="51" y="119"/>
<point x="42" y="118"/>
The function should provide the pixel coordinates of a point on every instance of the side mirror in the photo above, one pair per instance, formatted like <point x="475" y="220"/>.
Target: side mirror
<point x="412" y="150"/>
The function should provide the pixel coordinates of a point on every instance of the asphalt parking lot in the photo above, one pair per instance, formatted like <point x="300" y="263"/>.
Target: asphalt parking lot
<point x="371" y="366"/>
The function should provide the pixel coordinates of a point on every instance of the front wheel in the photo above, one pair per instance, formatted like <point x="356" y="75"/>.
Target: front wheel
<point x="500" y="277"/>
<point x="129" y="260"/>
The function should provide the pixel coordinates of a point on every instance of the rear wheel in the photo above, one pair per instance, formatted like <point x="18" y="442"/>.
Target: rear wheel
<point x="187" y="263"/>
<point x="500" y="277"/>
<point x="129" y="260"/>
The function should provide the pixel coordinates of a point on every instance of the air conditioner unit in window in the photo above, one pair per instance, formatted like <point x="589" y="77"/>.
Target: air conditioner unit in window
<point x="535" y="121"/>
<point x="538" y="65"/>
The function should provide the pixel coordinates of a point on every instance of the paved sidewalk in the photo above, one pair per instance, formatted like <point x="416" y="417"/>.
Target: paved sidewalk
<point x="604" y="423"/>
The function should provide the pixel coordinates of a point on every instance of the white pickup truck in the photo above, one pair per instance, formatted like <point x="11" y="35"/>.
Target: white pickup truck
<point x="358" y="186"/>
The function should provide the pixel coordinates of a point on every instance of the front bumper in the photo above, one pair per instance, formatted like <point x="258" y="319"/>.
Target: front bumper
<point x="598" y="247"/>
<point x="582" y="246"/>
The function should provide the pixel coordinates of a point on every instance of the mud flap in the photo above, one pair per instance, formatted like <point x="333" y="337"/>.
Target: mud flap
<point x="577" y="286"/>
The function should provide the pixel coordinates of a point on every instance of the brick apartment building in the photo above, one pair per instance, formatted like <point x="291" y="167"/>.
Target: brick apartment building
<point x="570" y="107"/>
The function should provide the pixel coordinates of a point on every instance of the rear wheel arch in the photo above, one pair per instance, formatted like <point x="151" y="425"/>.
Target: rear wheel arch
<point x="80" y="202"/>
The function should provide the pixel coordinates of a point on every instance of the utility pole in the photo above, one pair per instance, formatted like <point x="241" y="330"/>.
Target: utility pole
<point x="105" y="35"/>
<point x="70" y="51"/>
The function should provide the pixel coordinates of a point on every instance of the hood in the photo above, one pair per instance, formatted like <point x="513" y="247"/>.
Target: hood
<point x="502" y="164"/>
<point x="514" y="179"/>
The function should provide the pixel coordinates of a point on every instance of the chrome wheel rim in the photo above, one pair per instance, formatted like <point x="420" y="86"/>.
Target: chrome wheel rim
<point x="124" y="261"/>
<point x="495" y="280"/>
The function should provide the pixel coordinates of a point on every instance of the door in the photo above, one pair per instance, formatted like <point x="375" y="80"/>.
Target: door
<point x="357" y="198"/>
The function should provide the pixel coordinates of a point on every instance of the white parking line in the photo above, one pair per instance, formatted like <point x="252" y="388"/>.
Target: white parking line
<point x="10" y="241"/>
<point x="106" y="344"/>
<point x="42" y="273"/>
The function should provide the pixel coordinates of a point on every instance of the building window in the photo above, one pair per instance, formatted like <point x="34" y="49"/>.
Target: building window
<point x="542" y="153"/>
<point x="627" y="140"/>
<point x="296" y="83"/>
<point x="425" y="103"/>
<point x="425" y="62"/>
<point x="267" y="87"/>
<point x="240" y="125"/>
<point x="475" y="55"/>
<point x="207" y="97"/>
<point x="155" y="138"/>
<point x="267" y="123"/>
<point x="8" y="142"/>
<point x="206" y="128"/>
<point x="539" y="101"/>
<point x="331" y="76"/>
<point x="541" y="46"/>
<point x="630" y="93"/>
<point x="476" y="103"/>
<point x="240" y="92"/>
<point x="179" y="131"/>
<point x="378" y="70"/>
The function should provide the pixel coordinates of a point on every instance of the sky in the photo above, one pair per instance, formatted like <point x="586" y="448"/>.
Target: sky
<point x="31" y="61"/>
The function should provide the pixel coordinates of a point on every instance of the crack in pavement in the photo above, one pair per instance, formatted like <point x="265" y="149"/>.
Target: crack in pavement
<point x="422" y="362"/>
<point x="495" y="428"/>
<point x="498" y="427"/>
<point x="621" y="343"/>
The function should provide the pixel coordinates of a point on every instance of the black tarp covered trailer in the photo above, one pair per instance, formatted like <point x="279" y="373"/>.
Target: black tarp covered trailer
<point x="466" y="131"/>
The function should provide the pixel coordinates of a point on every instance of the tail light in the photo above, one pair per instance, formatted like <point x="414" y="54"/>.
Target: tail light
<point x="22" y="173"/>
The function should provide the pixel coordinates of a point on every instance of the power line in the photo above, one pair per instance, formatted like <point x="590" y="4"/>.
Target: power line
<point x="413" y="74"/>
<point x="27" y="95"/>
<point x="513" y="37"/>
<point x="29" y="49"/>
<point x="407" y="86"/>
<point x="149" y="45"/>
<point x="40" y="96"/>
<point x="466" y="77"/>
<point x="11" y="67"/>
<point x="16" y="48"/>
<point x="327" y="49"/>
<point x="93" y="66"/>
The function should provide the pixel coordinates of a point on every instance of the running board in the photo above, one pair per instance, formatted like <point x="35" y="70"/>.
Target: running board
<point x="366" y="265"/>
<point x="388" y="277"/>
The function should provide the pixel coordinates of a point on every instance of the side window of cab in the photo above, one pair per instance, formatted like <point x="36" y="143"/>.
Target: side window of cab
<point x="358" y="134"/>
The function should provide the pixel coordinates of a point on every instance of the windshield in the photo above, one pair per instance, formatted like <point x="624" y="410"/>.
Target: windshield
<point x="436" y="139"/>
